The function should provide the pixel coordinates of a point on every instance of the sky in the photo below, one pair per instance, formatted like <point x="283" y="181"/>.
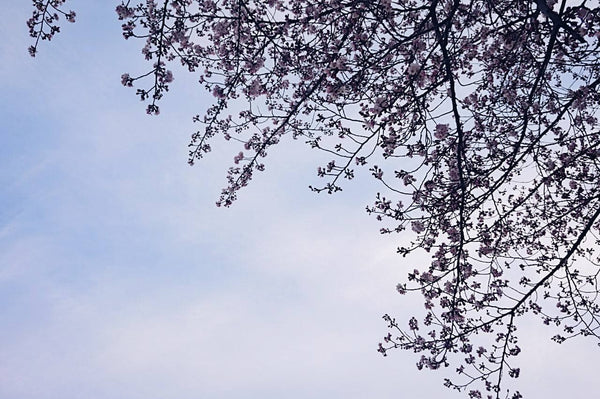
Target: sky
<point x="121" y="279"/>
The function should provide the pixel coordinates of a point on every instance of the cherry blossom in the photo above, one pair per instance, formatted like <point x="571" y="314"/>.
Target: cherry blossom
<point x="479" y="120"/>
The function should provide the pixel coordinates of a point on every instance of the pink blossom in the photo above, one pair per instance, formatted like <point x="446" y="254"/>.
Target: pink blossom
<point x="417" y="226"/>
<point x="238" y="157"/>
<point x="441" y="131"/>
<point x="413" y="68"/>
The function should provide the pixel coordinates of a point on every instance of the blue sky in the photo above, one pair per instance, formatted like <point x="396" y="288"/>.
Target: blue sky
<point x="119" y="278"/>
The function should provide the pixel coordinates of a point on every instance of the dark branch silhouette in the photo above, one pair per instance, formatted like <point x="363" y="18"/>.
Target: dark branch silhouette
<point x="479" y="119"/>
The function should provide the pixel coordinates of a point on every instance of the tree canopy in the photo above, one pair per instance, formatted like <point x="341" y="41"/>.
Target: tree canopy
<point x="478" y="118"/>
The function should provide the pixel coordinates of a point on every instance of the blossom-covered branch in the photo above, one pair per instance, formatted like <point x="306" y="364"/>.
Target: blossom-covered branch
<point x="478" y="117"/>
<point x="43" y="22"/>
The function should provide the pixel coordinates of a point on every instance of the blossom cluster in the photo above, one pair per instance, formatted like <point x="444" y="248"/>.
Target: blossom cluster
<point x="43" y="24"/>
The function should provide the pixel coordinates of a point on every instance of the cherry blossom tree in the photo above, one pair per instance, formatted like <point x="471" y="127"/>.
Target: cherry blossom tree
<point x="477" y="117"/>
